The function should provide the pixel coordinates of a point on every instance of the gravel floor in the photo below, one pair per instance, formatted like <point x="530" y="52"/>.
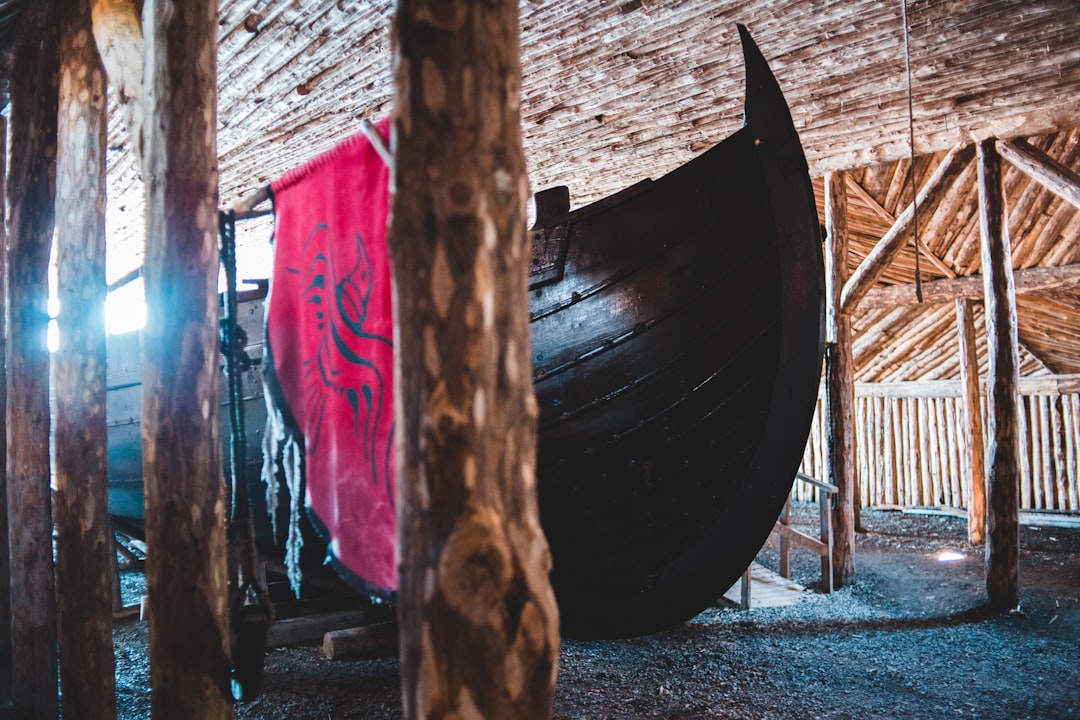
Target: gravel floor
<point x="909" y="638"/>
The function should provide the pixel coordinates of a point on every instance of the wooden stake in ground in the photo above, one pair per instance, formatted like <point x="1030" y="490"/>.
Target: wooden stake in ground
<point x="479" y="625"/>
<point x="185" y="491"/>
<point x="840" y="382"/>
<point x="1003" y="454"/>
<point x="973" y="448"/>
<point x="84" y="533"/>
<point x="30" y="198"/>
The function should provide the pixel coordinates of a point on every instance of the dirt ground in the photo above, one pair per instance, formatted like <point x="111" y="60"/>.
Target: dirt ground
<point x="908" y="639"/>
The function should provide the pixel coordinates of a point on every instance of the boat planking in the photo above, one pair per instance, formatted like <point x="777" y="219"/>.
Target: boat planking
<point x="677" y="334"/>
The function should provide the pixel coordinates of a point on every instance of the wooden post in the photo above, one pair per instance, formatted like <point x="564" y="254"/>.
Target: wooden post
<point x="479" y="624"/>
<point x="185" y="492"/>
<point x="1003" y="456"/>
<point x="31" y="186"/>
<point x="840" y="382"/>
<point x="84" y="533"/>
<point x="975" y="482"/>
<point x="5" y="561"/>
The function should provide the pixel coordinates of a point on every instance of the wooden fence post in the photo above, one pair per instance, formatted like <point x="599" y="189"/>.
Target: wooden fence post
<point x="973" y="448"/>
<point x="479" y="624"/>
<point x="840" y="383"/>
<point x="185" y="491"/>
<point x="1002" y="487"/>
<point x="31" y="188"/>
<point x="84" y="533"/>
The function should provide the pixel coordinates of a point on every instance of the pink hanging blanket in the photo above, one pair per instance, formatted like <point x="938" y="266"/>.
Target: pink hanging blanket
<point x="329" y="332"/>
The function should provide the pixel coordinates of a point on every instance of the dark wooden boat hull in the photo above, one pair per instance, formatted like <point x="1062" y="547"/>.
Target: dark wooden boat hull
<point x="677" y="333"/>
<point x="677" y="362"/>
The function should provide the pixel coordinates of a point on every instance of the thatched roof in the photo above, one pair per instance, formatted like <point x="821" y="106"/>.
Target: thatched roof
<point x="617" y="90"/>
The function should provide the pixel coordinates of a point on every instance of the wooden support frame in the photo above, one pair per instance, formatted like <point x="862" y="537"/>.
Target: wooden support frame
<point x="972" y="441"/>
<point x="31" y="193"/>
<point x="890" y="245"/>
<point x="1026" y="280"/>
<point x="186" y="568"/>
<point x="1003" y="456"/>
<point x="478" y="620"/>
<point x="839" y="383"/>
<point x="1048" y="172"/>
<point x="84" y="531"/>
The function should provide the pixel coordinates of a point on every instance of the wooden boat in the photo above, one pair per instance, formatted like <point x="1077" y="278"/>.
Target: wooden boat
<point x="677" y="332"/>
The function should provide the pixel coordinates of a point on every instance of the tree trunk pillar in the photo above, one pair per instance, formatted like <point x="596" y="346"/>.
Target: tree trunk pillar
<point x="84" y="533"/>
<point x="185" y="499"/>
<point x="1003" y="456"/>
<point x="31" y="188"/>
<point x="840" y="384"/>
<point x="973" y="447"/>
<point x="479" y="624"/>
<point x="5" y="555"/>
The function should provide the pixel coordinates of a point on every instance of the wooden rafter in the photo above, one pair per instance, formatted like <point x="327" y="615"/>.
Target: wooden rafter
<point x="888" y="217"/>
<point x="893" y="241"/>
<point x="1051" y="174"/>
<point x="1028" y="280"/>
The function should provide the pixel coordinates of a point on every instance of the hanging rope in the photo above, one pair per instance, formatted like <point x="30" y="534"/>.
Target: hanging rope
<point x="911" y="145"/>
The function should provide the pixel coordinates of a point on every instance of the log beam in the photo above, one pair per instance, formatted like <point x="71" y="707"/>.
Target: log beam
<point x="839" y="368"/>
<point x="1003" y="456"/>
<point x="118" y="34"/>
<point x="972" y="441"/>
<point x="890" y="245"/>
<point x="5" y="561"/>
<point x="84" y="547"/>
<point x="185" y="498"/>
<point x="31" y="192"/>
<point x="1026" y="280"/>
<point x="478" y="621"/>
<point x="875" y="207"/>
<point x="1056" y="177"/>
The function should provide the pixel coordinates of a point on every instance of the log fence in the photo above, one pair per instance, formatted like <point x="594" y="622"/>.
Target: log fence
<point x="909" y="440"/>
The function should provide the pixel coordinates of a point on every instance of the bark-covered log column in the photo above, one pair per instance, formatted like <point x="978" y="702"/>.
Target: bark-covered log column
<point x="1003" y="426"/>
<point x="185" y="491"/>
<point x="479" y="625"/>
<point x="84" y="533"/>
<point x="5" y="561"/>
<point x="972" y="446"/>
<point x="31" y="184"/>
<point x="840" y="383"/>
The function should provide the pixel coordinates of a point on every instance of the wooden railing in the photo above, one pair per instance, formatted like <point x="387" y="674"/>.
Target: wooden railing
<point x="908" y="440"/>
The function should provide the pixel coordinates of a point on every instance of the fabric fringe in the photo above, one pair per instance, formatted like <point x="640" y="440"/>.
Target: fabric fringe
<point x="282" y="454"/>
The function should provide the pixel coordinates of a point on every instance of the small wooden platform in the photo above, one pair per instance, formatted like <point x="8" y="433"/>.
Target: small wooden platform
<point x="767" y="589"/>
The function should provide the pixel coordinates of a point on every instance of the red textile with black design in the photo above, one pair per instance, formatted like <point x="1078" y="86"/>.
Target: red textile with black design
<point x="330" y="337"/>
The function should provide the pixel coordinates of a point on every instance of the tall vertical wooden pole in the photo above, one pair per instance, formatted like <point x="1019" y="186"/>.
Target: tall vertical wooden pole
<point x="84" y="533"/>
<point x="5" y="561"/>
<point x="972" y="440"/>
<point x="479" y="624"/>
<point x="840" y="384"/>
<point x="1003" y="479"/>
<point x="185" y="491"/>
<point x="31" y="187"/>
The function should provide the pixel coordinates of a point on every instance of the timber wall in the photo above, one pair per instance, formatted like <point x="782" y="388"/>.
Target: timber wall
<point x="908" y="449"/>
